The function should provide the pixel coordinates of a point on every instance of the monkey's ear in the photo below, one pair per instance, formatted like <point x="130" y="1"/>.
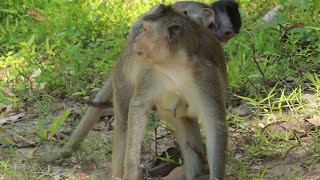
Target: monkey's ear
<point x="147" y="25"/>
<point x="173" y="31"/>
<point x="160" y="9"/>
<point x="207" y="16"/>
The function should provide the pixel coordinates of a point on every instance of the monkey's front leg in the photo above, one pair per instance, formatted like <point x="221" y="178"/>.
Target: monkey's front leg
<point x="121" y="100"/>
<point x="137" y="124"/>
<point x="139" y="109"/>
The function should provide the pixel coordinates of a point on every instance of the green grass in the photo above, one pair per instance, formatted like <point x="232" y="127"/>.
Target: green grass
<point x="67" y="55"/>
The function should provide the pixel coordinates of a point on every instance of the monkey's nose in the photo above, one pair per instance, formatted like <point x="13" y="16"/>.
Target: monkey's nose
<point x="229" y="34"/>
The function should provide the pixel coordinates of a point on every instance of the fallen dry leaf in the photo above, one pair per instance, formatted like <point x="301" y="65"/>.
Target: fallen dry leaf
<point x="38" y="16"/>
<point x="81" y="176"/>
<point x="282" y="130"/>
<point x="20" y="141"/>
<point x="314" y="121"/>
<point x="13" y="119"/>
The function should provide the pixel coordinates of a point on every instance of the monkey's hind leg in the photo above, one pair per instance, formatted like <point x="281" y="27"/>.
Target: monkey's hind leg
<point x="215" y="130"/>
<point x="188" y="136"/>
<point x="121" y="101"/>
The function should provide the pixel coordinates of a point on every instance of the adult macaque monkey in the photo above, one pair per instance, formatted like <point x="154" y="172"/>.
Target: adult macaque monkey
<point x="192" y="9"/>
<point x="164" y="68"/>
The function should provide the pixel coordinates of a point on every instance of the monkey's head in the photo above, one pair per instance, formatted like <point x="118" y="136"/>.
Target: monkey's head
<point x="198" y="12"/>
<point x="164" y="34"/>
<point x="228" y="20"/>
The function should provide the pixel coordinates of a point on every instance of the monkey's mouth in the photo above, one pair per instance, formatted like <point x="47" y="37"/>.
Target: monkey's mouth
<point x="223" y="39"/>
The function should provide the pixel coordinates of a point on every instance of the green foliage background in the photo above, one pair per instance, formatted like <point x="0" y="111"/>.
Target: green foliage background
<point x="70" y="55"/>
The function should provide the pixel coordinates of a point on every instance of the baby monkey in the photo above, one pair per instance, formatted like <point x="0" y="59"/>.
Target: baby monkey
<point x="165" y="65"/>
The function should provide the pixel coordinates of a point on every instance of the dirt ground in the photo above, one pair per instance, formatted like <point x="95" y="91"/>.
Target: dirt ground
<point x="22" y="149"/>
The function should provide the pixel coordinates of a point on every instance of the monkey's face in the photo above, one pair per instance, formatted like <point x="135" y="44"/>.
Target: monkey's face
<point x="148" y="43"/>
<point x="153" y="44"/>
<point x="228" y="20"/>
<point x="223" y="27"/>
